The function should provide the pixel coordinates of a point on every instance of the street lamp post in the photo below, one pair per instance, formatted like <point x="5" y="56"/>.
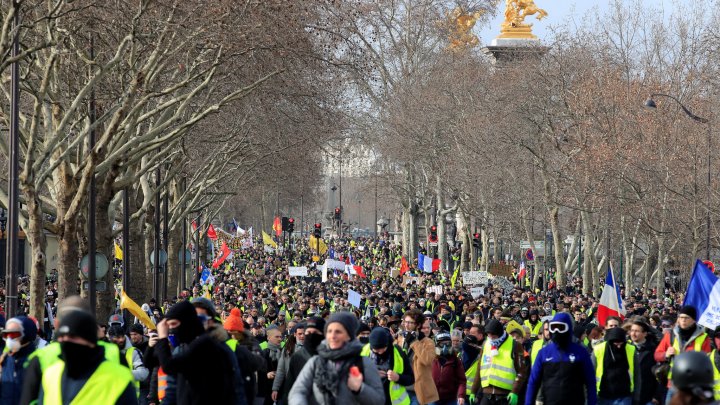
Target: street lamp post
<point x="650" y="103"/>
<point x="12" y="255"/>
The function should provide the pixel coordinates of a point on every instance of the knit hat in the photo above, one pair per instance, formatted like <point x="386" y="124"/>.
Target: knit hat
<point x="379" y="337"/>
<point x="347" y="320"/>
<point x="234" y="321"/>
<point x="690" y="311"/>
<point x="206" y="304"/>
<point x="79" y="324"/>
<point x="315" y="322"/>
<point x="494" y="327"/>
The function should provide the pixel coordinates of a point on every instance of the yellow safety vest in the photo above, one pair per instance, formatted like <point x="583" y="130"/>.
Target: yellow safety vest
<point x="535" y="349"/>
<point x="697" y="346"/>
<point x="716" y="376"/>
<point x="129" y="360"/>
<point x="398" y="394"/>
<point x="232" y="344"/>
<point x="534" y="330"/>
<point x="470" y="374"/>
<point x="599" y="351"/>
<point x="499" y="370"/>
<point x="105" y="386"/>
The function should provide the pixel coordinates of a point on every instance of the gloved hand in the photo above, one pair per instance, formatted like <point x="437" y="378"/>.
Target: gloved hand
<point x="471" y="398"/>
<point x="512" y="398"/>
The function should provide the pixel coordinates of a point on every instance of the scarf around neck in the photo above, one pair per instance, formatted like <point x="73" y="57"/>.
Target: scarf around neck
<point x="333" y="366"/>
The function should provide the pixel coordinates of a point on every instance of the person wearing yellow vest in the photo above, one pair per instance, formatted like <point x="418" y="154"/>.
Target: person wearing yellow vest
<point x="129" y="357"/>
<point x="503" y="371"/>
<point x="614" y="362"/>
<point x="686" y="336"/>
<point x="43" y="358"/>
<point x="534" y="323"/>
<point x="540" y="343"/>
<point x="471" y="363"/>
<point x="84" y="376"/>
<point x="393" y="366"/>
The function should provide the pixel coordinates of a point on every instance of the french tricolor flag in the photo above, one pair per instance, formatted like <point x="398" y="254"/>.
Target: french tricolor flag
<point x="428" y="264"/>
<point x="610" y="300"/>
<point x="703" y="293"/>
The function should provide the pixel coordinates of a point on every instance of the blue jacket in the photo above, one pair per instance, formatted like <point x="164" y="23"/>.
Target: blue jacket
<point x="13" y="375"/>
<point x="565" y="376"/>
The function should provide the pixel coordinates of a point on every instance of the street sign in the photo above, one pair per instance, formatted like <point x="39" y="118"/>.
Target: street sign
<point x="163" y="257"/>
<point x="100" y="286"/>
<point x="101" y="266"/>
<point x="433" y="244"/>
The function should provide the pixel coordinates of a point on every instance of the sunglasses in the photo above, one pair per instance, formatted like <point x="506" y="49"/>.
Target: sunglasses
<point x="558" y="327"/>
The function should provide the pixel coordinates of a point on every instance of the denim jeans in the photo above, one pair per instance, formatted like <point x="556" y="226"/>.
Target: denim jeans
<point x="618" y="401"/>
<point x="413" y="398"/>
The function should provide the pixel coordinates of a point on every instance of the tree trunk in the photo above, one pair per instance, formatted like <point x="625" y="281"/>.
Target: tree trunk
<point x="35" y="235"/>
<point x="173" y="265"/>
<point x="558" y="247"/>
<point x="588" y="268"/>
<point x="464" y="237"/>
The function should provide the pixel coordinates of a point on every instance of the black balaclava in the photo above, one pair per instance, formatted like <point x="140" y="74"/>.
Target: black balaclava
<point x="190" y="325"/>
<point x="80" y="360"/>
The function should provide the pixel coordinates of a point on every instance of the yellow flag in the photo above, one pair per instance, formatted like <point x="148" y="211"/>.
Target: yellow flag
<point x="127" y="303"/>
<point x="118" y="252"/>
<point x="267" y="239"/>
<point x="314" y="245"/>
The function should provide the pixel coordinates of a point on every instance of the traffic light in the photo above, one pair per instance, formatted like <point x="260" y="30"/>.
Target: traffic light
<point x="317" y="232"/>
<point x="338" y="213"/>
<point x="291" y="225"/>
<point x="433" y="234"/>
<point x="284" y="224"/>
<point x="476" y="240"/>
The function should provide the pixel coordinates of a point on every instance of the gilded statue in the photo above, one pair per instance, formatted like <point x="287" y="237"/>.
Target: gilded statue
<point x="461" y="25"/>
<point x="515" y="13"/>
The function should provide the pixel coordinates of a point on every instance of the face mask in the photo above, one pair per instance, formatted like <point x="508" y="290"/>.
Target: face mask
<point x="561" y="339"/>
<point x="446" y="317"/>
<point x="173" y="340"/>
<point x="444" y="350"/>
<point x="364" y="339"/>
<point x="313" y="340"/>
<point x="13" y="345"/>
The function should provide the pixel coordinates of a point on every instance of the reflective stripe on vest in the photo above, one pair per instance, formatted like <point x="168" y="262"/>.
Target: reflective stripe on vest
<point x="499" y="370"/>
<point x="162" y="384"/>
<point x="534" y="330"/>
<point x="535" y="349"/>
<point x="697" y="346"/>
<point x="398" y="394"/>
<point x="599" y="351"/>
<point x="470" y="374"/>
<point x="716" y="376"/>
<point x="50" y="354"/>
<point x="106" y="384"/>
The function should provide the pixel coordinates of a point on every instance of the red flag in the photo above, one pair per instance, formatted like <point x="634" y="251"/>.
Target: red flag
<point x="436" y="264"/>
<point x="404" y="268"/>
<point x="211" y="233"/>
<point x="224" y="253"/>
<point x="359" y="271"/>
<point x="277" y="226"/>
<point x="193" y="226"/>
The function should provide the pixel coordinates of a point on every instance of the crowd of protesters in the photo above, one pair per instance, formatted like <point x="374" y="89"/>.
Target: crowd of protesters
<point x="250" y="334"/>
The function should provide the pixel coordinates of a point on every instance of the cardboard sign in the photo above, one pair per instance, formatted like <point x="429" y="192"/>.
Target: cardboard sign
<point x="437" y="289"/>
<point x="335" y="265"/>
<point x="476" y="292"/>
<point x="354" y="298"/>
<point x="475" y="277"/>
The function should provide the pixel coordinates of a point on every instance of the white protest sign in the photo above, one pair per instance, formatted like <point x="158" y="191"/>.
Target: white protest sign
<point x="476" y="292"/>
<point x="474" y="277"/>
<point x="503" y="283"/>
<point x="335" y="265"/>
<point x="323" y="272"/>
<point x="298" y="271"/>
<point x="354" y="298"/>
<point x="436" y="289"/>
<point x="361" y="248"/>
<point x="711" y="316"/>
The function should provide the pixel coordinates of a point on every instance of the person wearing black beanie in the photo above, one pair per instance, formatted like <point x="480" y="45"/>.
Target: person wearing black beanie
<point x="205" y="371"/>
<point x="384" y="354"/>
<point x="83" y="360"/>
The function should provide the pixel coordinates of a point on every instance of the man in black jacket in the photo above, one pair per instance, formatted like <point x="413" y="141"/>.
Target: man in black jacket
<point x="203" y="370"/>
<point x="382" y="351"/>
<point x="646" y="385"/>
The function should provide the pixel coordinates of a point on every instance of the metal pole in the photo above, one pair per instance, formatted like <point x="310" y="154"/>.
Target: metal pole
<point x="183" y="269"/>
<point x="92" y="243"/>
<point x="165" y="241"/>
<point x="341" y="207"/>
<point x="156" y="256"/>
<point x="707" y="240"/>
<point x="126" y="246"/>
<point x="302" y="216"/>
<point x="197" y="249"/>
<point x="13" y="242"/>
<point x="376" y="196"/>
